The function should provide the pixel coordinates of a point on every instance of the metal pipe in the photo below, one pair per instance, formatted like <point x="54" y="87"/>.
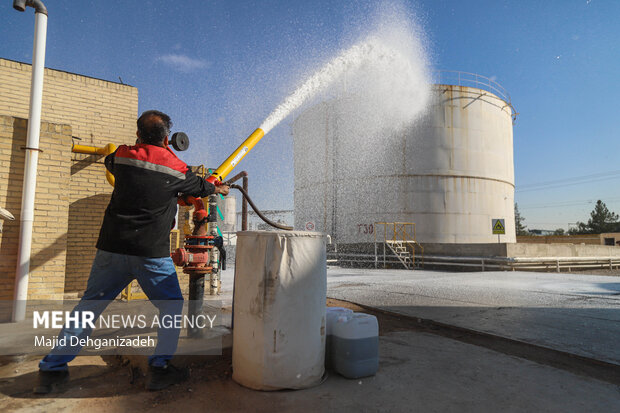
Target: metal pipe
<point x="39" y="7"/>
<point x="93" y="150"/>
<point x="244" y="206"/>
<point x="236" y="177"/>
<point x="244" y="202"/>
<point x="196" y="302"/>
<point x="32" y="157"/>
<point x="264" y="218"/>
<point x="89" y="150"/>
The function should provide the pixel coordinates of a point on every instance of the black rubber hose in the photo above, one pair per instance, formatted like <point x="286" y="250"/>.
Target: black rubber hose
<point x="264" y="218"/>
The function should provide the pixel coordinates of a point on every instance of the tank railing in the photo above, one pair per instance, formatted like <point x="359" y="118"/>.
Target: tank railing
<point x="557" y="264"/>
<point x="471" y="79"/>
<point x="454" y="77"/>
<point x="400" y="232"/>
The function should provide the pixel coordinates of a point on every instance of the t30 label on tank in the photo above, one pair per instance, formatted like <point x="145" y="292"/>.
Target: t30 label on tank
<point x="365" y="228"/>
<point x="240" y="155"/>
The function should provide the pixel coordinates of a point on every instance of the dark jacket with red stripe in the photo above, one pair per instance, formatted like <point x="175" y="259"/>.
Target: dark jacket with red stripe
<point x="141" y="213"/>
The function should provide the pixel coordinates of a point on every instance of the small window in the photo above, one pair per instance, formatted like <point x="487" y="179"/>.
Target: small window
<point x="610" y="241"/>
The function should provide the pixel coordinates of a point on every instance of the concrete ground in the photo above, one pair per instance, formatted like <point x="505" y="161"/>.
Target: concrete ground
<point x="576" y="313"/>
<point x="418" y="372"/>
<point x="420" y="369"/>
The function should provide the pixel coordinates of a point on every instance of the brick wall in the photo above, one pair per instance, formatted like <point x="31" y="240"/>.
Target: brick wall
<point x="49" y="242"/>
<point x="98" y="112"/>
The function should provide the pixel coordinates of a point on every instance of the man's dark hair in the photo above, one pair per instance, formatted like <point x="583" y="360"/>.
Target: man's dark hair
<point x="154" y="126"/>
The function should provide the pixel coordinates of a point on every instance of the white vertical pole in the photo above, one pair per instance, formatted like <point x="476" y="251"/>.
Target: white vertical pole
<point x="30" y="168"/>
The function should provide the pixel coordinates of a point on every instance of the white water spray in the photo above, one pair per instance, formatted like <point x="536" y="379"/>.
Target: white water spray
<point x="374" y="89"/>
<point x="392" y="82"/>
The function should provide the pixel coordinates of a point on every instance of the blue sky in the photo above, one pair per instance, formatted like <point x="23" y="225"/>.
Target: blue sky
<point x="219" y="67"/>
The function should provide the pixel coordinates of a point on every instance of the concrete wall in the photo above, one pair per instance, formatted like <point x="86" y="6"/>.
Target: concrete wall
<point x="514" y="250"/>
<point x="451" y="173"/>
<point x="589" y="239"/>
<point x="561" y="250"/>
<point x="98" y="112"/>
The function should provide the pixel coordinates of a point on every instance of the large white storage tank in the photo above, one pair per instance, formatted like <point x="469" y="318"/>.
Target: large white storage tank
<point x="451" y="173"/>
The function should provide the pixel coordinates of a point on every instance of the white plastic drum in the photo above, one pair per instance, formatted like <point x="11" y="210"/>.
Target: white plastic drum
<point x="279" y="309"/>
<point x="331" y="317"/>
<point x="355" y="345"/>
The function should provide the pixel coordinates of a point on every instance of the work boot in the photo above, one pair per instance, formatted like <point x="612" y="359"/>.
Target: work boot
<point x="162" y="377"/>
<point x="50" y="381"/>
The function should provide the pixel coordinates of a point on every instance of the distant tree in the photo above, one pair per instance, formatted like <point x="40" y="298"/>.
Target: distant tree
<point x="601" y="220"/>
<point x="559" y="231"/>
<point x="579" y="228"/>
<point x="519" y="227"/>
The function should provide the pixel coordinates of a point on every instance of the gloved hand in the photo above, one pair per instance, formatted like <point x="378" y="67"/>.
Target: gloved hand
<point x="222" y="189"/>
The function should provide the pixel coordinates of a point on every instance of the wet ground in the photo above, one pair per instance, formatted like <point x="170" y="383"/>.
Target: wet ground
<point x="573" y="313"/>
<point x="421" y="369"/>
<point x="613" y="273"/>
<point x="426" y="363"/>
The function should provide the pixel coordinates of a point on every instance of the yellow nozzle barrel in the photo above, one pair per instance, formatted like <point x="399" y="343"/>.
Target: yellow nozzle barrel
<point x="228" y="165"/>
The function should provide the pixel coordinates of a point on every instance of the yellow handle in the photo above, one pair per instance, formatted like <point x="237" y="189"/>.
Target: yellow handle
<point x="233" y="160"/>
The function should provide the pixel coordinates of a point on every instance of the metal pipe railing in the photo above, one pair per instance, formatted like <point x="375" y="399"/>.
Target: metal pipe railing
<point x="497" y="263"/>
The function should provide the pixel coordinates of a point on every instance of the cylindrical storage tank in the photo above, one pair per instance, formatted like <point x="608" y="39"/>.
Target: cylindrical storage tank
<point x="279" y="309"/>
<point x="227" y="213"/>
<point x="230" y="214"/>
<point x="451" y="172"/>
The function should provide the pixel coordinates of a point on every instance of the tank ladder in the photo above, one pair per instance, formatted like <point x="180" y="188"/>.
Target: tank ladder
<point x="399" y="238"/>
<point x="402" y="252"/>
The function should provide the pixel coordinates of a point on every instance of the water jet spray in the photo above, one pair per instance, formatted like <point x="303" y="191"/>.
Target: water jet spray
<point x="370" y="53"/>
